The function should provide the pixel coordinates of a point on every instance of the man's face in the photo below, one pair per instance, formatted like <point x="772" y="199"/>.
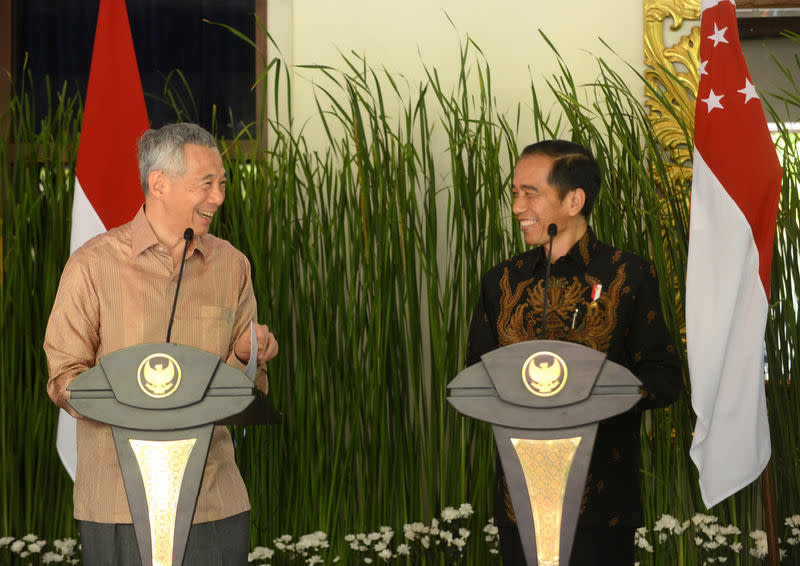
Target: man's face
<point x="537" y="204"/>
<point x="194" y="197"/>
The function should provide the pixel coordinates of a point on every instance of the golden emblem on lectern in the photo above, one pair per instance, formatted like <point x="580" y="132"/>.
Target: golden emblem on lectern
<point x="159" y="375"/>
<point x="544" y="374"/>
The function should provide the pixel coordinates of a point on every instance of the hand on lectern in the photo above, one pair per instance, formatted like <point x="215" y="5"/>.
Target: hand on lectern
<point x="267" y="344"/>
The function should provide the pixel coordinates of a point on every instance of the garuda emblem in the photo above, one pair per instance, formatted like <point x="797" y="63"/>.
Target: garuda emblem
<point x="544" y="374"/>
<point x="159" y="375"/>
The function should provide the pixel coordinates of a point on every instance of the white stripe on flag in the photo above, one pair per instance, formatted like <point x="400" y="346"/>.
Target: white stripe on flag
<point x="726" y="312"/>
<point x="86" y="223"/>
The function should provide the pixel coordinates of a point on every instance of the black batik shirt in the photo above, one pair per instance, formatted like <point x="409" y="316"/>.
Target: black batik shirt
<point x="624" y="322"/>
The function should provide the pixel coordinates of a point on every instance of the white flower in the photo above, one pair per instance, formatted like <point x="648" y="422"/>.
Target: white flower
<point x="66" y="546"/>
<point x="24" y="554"/>
<point x="349" y="538"/>
<point x="50" y="557"/>
<point x="386" y="529"/>
<point x="316" y="559"/>
<point x="666" y="523"/>
<point x="426" y="541"/>
<point x="314" y="540"/>
<point x="386" y="554"/>
<point x="760" y="538"/>
<point x="260" y="553"/>
<point x="793" y="521"/>
<point x="736" y="547"/>
<point x="30" y="537"/>
<point x="459" y="543"/>
<point x="466" y="510"/>
<point x="722" y="559"/>
<point x="380" y="546"/>
<point x="5" y="541"/>
<point x="730" y="530"/>
<point x="403" y="550"/>
<point x="662" y="537"/>
<point x="37" y="546"/>
<point x="698" y="541"/>
<point x="490" y="529"/>
<point x="449" y="514"/>
<point x="368" y="560"/>
<point x="336" y="559"/>
<point x="17" y="546"/>
<point x="494" y="551"/>
<point x="700" y="519"/>
<point x="463" y="533"/>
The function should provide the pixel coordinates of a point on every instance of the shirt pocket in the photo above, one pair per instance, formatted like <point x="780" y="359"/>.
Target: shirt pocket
<point x="216" y="328"/>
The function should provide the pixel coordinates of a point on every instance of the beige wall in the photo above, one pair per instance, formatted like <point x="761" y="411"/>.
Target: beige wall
<point x="401" y="35"/>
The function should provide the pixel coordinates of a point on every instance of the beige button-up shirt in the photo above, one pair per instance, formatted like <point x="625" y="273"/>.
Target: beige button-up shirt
<point x="117" y="291"/>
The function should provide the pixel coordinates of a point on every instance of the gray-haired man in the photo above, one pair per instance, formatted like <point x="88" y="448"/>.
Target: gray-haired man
<point x="116" y="291"/>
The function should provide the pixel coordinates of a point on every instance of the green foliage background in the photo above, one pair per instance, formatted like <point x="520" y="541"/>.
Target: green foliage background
<point x="366" y="261"/>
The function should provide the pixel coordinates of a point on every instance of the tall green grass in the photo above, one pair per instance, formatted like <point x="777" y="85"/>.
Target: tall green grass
<point x="367" y="257"/>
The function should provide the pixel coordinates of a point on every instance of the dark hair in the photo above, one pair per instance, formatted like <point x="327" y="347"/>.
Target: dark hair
<point x="574" y="167"/>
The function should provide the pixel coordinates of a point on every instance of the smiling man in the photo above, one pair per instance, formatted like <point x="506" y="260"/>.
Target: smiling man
<point x="117" y="291"/>
<point x="600" y="297"/>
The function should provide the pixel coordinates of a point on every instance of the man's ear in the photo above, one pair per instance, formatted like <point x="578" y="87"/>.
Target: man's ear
<point x="575" y="200"/>
<point x="157" y="183"/>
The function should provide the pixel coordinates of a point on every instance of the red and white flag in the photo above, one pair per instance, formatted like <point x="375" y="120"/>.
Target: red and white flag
<point x="735" y="191"/>
<point x="107" y="188"/>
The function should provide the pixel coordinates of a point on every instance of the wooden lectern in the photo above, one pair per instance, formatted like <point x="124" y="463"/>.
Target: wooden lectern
<point x="544" y="400"/>
<point x="162" y="401"/>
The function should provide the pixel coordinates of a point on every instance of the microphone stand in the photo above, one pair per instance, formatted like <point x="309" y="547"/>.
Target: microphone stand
<point x="188" y="234"/>
<point x="552" y="230"/>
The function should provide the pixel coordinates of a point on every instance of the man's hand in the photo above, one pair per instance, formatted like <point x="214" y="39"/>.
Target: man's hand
<point x="267" y="344"/>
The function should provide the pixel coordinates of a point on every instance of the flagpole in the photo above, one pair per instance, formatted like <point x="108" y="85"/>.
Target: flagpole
<point x="771" y="524"/>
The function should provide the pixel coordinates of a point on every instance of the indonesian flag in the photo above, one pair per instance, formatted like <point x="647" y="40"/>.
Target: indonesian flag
<point x="107" y="189"/>
<point x="735" y="191"/>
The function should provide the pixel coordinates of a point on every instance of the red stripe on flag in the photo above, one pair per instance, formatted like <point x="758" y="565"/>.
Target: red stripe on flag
<point x="731" y="133"/>
<point x="114" y="117"/>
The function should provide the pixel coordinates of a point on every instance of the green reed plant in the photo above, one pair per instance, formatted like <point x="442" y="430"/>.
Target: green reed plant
<point x="36" y="178"/>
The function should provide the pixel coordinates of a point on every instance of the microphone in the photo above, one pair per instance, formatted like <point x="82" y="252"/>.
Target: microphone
<point x="552" y="230"/>
<point x="188" y="235"/>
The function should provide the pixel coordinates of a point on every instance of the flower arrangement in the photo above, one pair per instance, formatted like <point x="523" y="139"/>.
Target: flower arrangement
<point x="30" y="549"/>
<point x="447" y="538"/>
<point x="717" y="544"/>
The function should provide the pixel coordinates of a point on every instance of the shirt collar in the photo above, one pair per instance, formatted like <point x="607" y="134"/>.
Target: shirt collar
<point x="143" y="237"/>
<point x="581" y="252"/>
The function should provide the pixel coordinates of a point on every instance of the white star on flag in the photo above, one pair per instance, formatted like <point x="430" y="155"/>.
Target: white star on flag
<point x="749" y="91"/>
<point x="719" y="35"/>
<point x="713" y="100"/>
<point x="702" y="68"/>
<point x="736" y="184"/>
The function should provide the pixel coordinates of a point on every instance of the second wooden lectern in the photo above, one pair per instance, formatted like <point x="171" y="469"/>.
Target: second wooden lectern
<point x="544" y="400"/>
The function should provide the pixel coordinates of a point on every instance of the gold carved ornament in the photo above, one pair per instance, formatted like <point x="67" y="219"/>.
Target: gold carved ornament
<point x="673" y="72"/>
<point x="672" y="75"/>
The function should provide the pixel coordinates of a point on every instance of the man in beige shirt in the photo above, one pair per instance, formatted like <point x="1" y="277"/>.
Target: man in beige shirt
<point x="117" y="291"/>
